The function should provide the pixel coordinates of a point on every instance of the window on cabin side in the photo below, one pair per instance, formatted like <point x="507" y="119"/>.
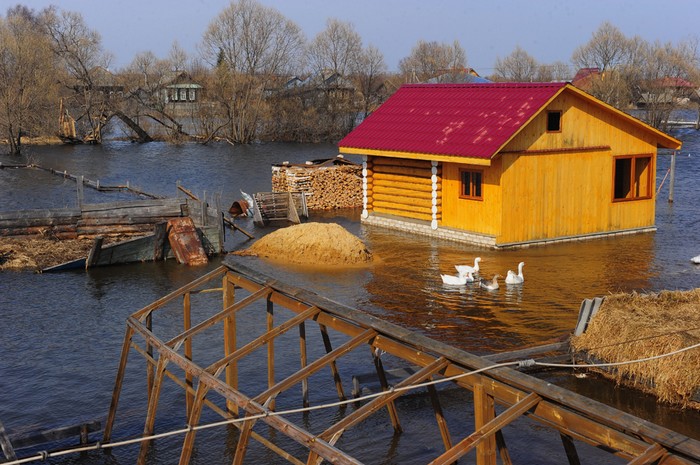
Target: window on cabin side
<point x="471" y="184"/>
<point x="632" y="177"/>
<point x="553" y="121"/>
<point x="174" y="95"/>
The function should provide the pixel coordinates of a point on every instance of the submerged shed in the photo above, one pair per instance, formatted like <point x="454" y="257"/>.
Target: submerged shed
<point x="506" y="164"/>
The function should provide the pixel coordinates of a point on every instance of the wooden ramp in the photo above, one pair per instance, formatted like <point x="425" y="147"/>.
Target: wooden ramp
<point x="257" y="311"/>
<point x="185" y="242"/>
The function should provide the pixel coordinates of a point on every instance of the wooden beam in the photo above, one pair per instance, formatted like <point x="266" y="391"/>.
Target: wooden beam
<point x="334" y="368"/>
<point x="282" y="425"/>
<point x="381" y="374"/>
<point x="229" y="316"/>
<point x="570" y="449"/>
<point x="118" y="383"/>
<point x="654" y="454"/>
<point x="317" y="364"/>
<point x="488" y="429"/>
<point x="484" y="413"/>
<point x="230" y="308"/>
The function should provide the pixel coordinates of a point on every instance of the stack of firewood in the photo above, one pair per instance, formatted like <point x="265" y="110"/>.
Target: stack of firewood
<point x="326" y="187"/>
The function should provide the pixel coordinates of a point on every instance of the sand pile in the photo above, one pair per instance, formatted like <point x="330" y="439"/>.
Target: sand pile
<point x="636" y="326"/>
<point x="324" y="244"/>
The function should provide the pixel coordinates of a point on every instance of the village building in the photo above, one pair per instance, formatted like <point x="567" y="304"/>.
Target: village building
<point x="506" y="164"/>
<point x="182" y="90"/>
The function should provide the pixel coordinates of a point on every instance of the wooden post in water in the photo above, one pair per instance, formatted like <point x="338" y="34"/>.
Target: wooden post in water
<point x="81" y="195"/>
<point x="6" y="445"/>
<point x="484" y="412"/>
<point x="230" y="339"/>
<point x="673" y="177"/>
<point x="187" y="324"/>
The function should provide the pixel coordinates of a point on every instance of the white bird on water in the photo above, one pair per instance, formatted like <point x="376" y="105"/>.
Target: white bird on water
<point x="518" y="278"/>
<point x="464" y="269"/>
<point x="459" y="280"/>
<point x="493" y="285"/>
<point x="696" y="259"/>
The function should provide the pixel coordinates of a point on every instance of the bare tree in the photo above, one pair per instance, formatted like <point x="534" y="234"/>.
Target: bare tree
<point x="370" y="77"/>
<point x="666" y="79"/>
<point x="27" y="87"/>
<point x="607" y="49"/>
<point x="432" y="59"/>
<point x="251" y="46"/>
<point x="335" y="56"/>
<point x="80" y="52"/>
<point x="519" y="66"/>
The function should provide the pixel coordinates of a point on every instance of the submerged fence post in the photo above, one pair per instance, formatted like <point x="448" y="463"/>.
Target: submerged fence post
<point x="673" y="177"/>
<point x="80" y="191"/>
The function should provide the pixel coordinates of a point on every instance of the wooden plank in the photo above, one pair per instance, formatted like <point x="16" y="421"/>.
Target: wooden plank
<point x="6" y="445"/>
<point x="20" y="441"/>
<point x="529" y="352"/>
<point x="94" y="255"/>
<point x="653" y="454"/>
<point x="484" y="414"/>
<point x="159" y="235"/>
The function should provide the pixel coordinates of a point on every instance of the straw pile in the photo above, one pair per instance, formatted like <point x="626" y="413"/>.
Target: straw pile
<point x="319" y="244"/>
<point x="636" y="326"/>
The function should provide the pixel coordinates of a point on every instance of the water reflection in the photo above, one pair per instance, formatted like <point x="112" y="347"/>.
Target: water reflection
<point x="61" y="367"/>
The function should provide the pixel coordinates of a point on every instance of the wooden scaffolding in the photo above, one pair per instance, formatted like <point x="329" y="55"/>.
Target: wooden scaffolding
<point x="279" y="309"/>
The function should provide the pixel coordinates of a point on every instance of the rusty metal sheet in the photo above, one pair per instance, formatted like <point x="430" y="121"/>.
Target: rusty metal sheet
<point x="185" y="242"/>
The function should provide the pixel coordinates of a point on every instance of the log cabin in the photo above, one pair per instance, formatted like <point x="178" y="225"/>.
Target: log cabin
<point x="506" y="164"/>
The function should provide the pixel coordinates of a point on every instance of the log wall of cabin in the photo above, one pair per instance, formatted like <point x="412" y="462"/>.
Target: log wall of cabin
<point x="401" y="187"/>
<point x="478" y="216"/>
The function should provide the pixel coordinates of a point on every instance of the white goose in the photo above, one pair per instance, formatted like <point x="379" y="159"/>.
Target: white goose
<point x="459" y="280"/>
<point x="513" y="278"/>
<point x="463" y="269"/>
<point x="493" y="285"/>
<point x="696" y="259"/>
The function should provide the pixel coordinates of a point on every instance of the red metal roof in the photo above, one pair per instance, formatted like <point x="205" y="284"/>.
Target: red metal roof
<point x="470" y="120"/>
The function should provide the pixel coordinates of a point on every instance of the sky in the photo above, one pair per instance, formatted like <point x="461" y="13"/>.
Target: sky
<point x="548" y="30"/>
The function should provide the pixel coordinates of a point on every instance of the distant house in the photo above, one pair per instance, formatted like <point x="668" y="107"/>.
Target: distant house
<point x="506" y="164"/>
<point x="182" y="89"/>
<point x="585" y="78"/>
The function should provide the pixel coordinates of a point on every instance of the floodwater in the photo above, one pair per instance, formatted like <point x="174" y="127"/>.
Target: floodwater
<point x="61" y="333"/>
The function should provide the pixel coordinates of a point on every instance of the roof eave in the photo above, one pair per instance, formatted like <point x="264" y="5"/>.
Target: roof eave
<point x="416" y="156"/>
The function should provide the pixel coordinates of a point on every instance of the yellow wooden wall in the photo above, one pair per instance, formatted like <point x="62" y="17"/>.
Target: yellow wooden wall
<point x="478" y="216"/>
<point x="401" y="187"/>
<point x="549" y="194"/>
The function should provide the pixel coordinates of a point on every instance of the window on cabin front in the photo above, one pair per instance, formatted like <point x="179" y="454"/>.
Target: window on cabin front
<point x="554" y="121"/>
<point x="183" y="94"/>
<point x="192" y="95"/>
<point x="632" y="177"/>
<point x="174" y="95"/>
<point x="471" y="184"/>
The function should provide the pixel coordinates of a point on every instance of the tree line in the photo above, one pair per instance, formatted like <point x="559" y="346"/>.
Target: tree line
<point x="263" y="80"/>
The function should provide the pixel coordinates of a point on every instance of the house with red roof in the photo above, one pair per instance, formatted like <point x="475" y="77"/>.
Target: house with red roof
<point x="506" y="164"/>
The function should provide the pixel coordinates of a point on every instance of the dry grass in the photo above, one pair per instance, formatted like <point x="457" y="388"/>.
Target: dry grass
<point x="636" y="326"/>
<point x="36" y="253"/>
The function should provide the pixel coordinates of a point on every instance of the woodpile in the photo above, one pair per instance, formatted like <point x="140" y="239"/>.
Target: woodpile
<point x="328" y="184"/>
